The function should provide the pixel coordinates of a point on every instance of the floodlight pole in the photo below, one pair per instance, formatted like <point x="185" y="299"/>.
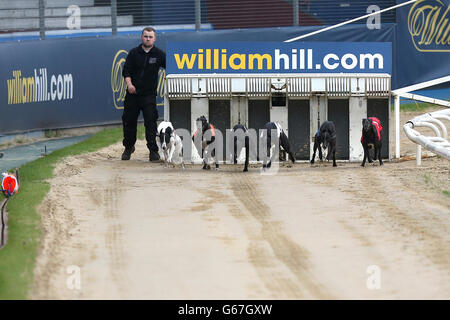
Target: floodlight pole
<point x="397" y="125"/>
<point x="295" y="11"/>
<point x="198" y="15"/>
<point x="42" y="19"/>
<point x="114" y="17"/>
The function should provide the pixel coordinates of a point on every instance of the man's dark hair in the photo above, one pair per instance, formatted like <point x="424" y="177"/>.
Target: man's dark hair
<point x="149" y="29"/>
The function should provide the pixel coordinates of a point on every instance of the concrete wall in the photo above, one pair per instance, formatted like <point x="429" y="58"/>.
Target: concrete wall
<point x="199" y="107"/>
<point x="239" y="111"/>
<point x="318" y="111"/>
<point x="280" y="114"/>
<point x="358" y="111"/>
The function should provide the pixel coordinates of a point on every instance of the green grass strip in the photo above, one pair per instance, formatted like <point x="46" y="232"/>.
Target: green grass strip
<point x="419" y="106"/>
<point x="17" y="258"/>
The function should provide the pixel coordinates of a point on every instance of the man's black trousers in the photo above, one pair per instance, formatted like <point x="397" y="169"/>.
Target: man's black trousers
<point x="132" y="107"/>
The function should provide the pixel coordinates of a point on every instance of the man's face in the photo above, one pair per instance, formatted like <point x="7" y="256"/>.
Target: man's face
<point x="148" y="39"/>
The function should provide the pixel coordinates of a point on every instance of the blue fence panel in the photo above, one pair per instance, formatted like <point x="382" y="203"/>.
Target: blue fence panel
<point x="74" y="82"/>
<point x="422" y="46"/>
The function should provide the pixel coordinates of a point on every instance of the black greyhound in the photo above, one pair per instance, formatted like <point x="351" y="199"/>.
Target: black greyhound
<point x="202" y="127"/>
<point x="372" y="133"/>
<point x="283" y="142"/>
<point x="243" y="133"/>
<point x="326" y="135"/>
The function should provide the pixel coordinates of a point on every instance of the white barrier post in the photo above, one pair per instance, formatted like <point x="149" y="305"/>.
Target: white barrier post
<point x="397" y="126"/>
<point x="418" y="154"/>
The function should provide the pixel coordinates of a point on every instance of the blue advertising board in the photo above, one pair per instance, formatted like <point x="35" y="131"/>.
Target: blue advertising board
<point x="422" y="46"/>
<point x="60" y="83"/>
<point x="278" y="57"/>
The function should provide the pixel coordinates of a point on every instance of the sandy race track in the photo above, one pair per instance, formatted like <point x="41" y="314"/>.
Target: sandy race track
<point x="136" y="230"/>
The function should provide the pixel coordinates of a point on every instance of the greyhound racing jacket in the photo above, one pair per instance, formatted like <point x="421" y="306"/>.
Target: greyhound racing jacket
<point x="377" y="123"/>
<point x="213" y="134"/>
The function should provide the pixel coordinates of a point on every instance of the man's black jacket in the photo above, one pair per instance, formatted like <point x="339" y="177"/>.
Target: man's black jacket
<point x="143" y="69"/>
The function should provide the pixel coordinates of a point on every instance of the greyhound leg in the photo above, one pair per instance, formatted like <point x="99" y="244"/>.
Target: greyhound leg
<point x="287" y="147"/>
<point x="166" y="158"/>
<point x="214" y="156"/>
<point x="284" y="142"/>
<point x="204" y="163"/>
<point x="379" y="155"/>
<point x="369" y="159"/>
<point x="235" y="151"/>
<point x="272" y="156"/>
<point x="314" y="153"/>
<point x="268" y="152"/>
<point x="172" y="150"/>
<point x="366" y="151"/>
<point x="180" y="155"/>
<point x="334" y="158"/>
<point x="292" y="156"/>
<point x="247" y="151"/>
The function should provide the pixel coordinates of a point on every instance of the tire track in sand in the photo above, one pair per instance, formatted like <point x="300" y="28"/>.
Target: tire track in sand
<point x="114" y="231"/>
<point x="283" y="249"/>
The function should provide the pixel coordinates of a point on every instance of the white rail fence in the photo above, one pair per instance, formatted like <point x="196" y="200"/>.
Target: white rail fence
<point x="439" y="143"/>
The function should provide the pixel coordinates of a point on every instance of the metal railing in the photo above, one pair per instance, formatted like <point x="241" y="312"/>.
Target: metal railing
<point x="259" y="85"/>
<point x="439" y="143"/>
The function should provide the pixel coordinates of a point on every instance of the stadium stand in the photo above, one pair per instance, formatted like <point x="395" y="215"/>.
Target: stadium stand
<point x="229" y="14"/>
<point x="331" y="12"/>
<point x="23" y="15"/>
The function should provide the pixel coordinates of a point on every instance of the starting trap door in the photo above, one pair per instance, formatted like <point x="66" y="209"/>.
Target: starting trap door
<point x="338" y="112"/>
<point x="298" y="123"/>
<point x="380" y="108"/>
<point x="220" y="117"/>
<point x="258" y="115"/>
<point x="180" y="116"/>
<point x="291" y="99"/>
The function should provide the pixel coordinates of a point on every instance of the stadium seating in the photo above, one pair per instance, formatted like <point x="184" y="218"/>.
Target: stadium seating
<point x="229" y="14"/>
<point x="23" y="15"/>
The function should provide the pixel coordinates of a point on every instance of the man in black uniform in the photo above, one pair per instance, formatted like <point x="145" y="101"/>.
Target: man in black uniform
<point x="141" y="76"/>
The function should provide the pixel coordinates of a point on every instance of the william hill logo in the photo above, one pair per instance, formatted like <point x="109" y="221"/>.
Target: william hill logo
<point x="119" y="87"/>
<point x="39" y="87"/>
<point x="278" y="57"/>
<point x="428" y="24"/>
<point x="210" y="59"/>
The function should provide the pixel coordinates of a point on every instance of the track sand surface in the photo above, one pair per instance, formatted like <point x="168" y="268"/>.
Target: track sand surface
<point x="137" y="230"/>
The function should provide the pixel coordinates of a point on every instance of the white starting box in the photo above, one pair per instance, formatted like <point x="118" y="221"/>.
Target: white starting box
<point x="299" y="102"/>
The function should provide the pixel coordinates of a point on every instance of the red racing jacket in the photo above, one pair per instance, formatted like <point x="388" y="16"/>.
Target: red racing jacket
<point x="376" y="122"/>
